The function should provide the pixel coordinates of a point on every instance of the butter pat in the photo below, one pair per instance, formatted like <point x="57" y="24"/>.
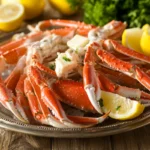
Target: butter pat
<point x="77" y="41"/>
<point x="66" y="63"/>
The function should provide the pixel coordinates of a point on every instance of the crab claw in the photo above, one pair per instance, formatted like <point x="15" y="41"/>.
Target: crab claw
<point x="91" y="82"/>
<point x="74" y="96"/>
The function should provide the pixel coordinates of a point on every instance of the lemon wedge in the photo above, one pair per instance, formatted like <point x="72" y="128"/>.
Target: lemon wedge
<point x="121" y="108"/>
<point x="145" y="41"/>
<point x="11" y="16"/>
<point x="145" y="27"/>
<point x="33" y="8"/>
<point x="131" y="38"/>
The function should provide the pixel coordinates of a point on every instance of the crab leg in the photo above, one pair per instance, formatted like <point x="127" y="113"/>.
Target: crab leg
<point x="126" y="51"/>
<point x="12" y="51"/>
<point x="115" y="28"/>
<point x="91" y="82"/>
<point x="63" y="23"/>
<point x="13" y="78"/>
<point x="39" y="110"/>
<point x="111" y="30"/>
<point x="108" y="85"/>
<point x="50" y="99"/>
<point x="120" y="78"/>
<point x="87" y="120"/>
<point x="46" y="94"/>
<point x="79" y="27"/>
<point x="12" y="56"/>
<point x="16" y="43"/>
<point x="21" y="98"/>
<point x="49" y="119"/>
<point x="8" y="100"/>
<point x="125" y="67"/>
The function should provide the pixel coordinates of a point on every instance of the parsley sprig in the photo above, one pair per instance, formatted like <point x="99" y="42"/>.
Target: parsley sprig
<point x="74" y="3"/>
<point x="66" y="58"/>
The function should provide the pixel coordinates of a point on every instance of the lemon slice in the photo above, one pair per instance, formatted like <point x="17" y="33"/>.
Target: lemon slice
<point x="121" y="108"/>
<point x="131" y="38"/>
<point x="145" y="41"/>
<point x="11" y="16"/>
<point x="33" y="8"/>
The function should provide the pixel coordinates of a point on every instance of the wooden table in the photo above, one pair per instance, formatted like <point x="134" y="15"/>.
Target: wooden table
<point x="138" y="139"/>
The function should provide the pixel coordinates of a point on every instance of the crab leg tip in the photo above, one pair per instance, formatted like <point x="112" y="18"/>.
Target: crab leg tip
<point x="91" y="94"/>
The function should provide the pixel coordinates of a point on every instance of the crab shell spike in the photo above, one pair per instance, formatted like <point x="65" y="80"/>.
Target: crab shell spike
<point x="91" y="82"/>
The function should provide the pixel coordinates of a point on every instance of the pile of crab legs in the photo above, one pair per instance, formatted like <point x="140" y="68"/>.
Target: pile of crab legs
<point x="27" y="93"/>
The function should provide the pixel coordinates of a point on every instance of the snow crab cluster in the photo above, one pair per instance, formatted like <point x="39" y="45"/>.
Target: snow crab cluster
<point x="69" y="64"/>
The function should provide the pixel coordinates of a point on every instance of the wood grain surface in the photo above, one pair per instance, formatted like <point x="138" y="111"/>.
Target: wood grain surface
<point x="138" y="139"/>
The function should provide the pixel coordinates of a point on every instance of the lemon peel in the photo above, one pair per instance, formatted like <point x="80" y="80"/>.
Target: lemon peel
<point x="11" y="16"/>
<point x="145" y="27"/>
<point x="145" y="42"/>
<point x="33" y="8"/>
<point x="131" y="38"/>
<point x="121" y="108"/>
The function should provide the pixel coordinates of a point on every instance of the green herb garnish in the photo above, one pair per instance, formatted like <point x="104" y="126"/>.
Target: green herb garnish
<point x="52" y="66"/>
<point x="137" y="98"/>
<point x="74" y="3"/>
<point x="66" y="58"/>
<point x="76" y="51"/>
<point x="118" y="107"/>
<point x="101" y="102"/>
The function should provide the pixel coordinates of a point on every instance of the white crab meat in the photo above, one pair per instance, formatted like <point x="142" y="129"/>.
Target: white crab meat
<point x="52" y="44"/>
<point x="77" y="42"/>
<point x="66" y="63"/>
<point x="18" y="36"/>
